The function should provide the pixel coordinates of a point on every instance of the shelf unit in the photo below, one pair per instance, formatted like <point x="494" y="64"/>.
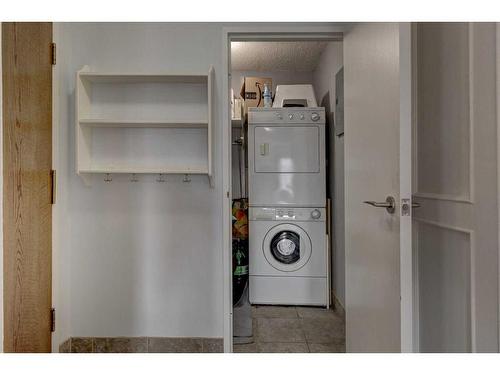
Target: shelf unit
<point x="111" y="123"/>
<point x="131" y="118"/>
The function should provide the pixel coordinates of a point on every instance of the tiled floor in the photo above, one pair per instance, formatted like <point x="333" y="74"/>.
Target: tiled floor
<point x="284" y="329"/>
<point x="142" y="345"/>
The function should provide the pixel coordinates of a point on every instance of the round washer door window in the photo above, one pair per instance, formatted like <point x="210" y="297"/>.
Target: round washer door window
<point x="287" y="247"/>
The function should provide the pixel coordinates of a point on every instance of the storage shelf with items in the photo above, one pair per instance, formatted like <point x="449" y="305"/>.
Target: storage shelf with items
<point x="144" y="124"/>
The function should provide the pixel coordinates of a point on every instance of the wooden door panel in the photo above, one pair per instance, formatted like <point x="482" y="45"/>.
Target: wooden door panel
<point x="27" y="162"/>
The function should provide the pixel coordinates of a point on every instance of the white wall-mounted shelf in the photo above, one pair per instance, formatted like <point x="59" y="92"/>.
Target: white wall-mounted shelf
<point x="141" y="123"/>
<point x="125" y="170"/>
<point x="111" y="123"/>
<point x="102" y="77"/>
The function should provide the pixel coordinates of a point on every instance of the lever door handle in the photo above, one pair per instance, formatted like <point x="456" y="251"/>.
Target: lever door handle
<point x="389" y="204"/>
<point x="415" y="205"/>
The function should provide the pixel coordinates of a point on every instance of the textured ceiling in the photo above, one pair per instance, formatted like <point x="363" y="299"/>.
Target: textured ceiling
<point x="273" y="56"/>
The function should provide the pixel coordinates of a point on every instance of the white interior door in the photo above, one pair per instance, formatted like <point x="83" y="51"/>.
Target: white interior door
<point x="456" y="228"/>
<point x="377" y="81"/>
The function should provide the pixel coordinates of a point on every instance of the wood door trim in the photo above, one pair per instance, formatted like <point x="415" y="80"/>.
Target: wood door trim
<point x="27" y="162"/>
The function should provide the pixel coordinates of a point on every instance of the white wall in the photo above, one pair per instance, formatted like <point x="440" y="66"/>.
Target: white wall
<point x="331" y="61"/>
<point x="139" y="259"/>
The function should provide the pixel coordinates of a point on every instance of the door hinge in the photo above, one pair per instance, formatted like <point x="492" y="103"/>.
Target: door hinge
<point x="53" y="186"/>
<point x="53" y="53"/>
<point x="52" y="319"/>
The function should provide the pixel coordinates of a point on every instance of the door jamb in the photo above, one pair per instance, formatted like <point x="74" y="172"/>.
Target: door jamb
<point x="1" y="200"/>
<point x="498" y="163"/>
<point x="405" y="187"/>
<point x="56" y="207"/>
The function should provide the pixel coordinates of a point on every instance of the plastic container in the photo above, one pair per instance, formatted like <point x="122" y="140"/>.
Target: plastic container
<point x="268" y="100"/>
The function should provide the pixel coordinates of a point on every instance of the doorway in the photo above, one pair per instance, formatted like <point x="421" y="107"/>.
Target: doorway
<point x="283" y="291"/>
<point x="359" y="37"/>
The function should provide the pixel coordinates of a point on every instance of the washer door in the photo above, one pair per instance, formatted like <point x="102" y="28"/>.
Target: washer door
<point x="287" y="247"/>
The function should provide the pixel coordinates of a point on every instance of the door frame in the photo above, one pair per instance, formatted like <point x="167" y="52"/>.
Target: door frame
<point x="331" y="31"/>
<point x="406" y="266"/>
<point x="58" y="302"/>
<point x="1" y="200"/>
<point x="498" y="159"/>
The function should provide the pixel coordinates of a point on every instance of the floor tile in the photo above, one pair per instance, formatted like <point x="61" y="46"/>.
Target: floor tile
<point x="279" y="330"/>
<point x="317" y="313"/>
<point x="81" y="345"/>
<point x="120" y="344"/>
<point x="326" y="348"/>
<point x="212" y="345"/>
<point x="283" y="347"/>
<point x="262" y="311"/>
<point x="65" y="347"/>
<point x="245" y="348"/>
<point x="174" y="345"/>
<point x="323" y="331"/>
<point x="289" y="329"/>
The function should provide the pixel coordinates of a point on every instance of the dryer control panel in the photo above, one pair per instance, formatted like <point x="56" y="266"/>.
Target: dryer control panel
<point x="276" y="116"/>
<point x="287" y="214"/>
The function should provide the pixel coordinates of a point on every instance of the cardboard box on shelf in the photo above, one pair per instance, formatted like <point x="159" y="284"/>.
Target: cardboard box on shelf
<point x="252" y="91"/>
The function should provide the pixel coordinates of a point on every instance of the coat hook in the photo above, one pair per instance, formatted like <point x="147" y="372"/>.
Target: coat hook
<point x="108" y="177"/>
<point x="186" y="178"/>
<point x="160" y="178"/>
<point x="134" y="178"/>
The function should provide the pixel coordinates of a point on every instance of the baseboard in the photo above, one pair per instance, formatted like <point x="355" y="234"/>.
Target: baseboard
<point x="337" y="305"/>
<point x="142" y="345"/>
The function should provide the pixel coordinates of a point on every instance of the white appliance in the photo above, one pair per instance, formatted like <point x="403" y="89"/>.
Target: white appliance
<point x="287" y="256"/>
<point x="288" y="261"/>
<point x="294" y="96"/>
<point x="286" y="157"/>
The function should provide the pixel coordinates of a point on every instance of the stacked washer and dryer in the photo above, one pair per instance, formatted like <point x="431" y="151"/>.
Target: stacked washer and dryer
<point x="288" y="259"/>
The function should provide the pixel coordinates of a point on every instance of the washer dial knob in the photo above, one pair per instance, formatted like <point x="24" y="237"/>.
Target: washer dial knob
<point x="315" y="214"/>
<point x="290" y="116"/>
<point x="315" y="116"/>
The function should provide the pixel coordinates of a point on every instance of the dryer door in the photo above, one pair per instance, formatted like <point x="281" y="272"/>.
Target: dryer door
<point x="287" y="247"/>
<point x="287" y="149"/>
